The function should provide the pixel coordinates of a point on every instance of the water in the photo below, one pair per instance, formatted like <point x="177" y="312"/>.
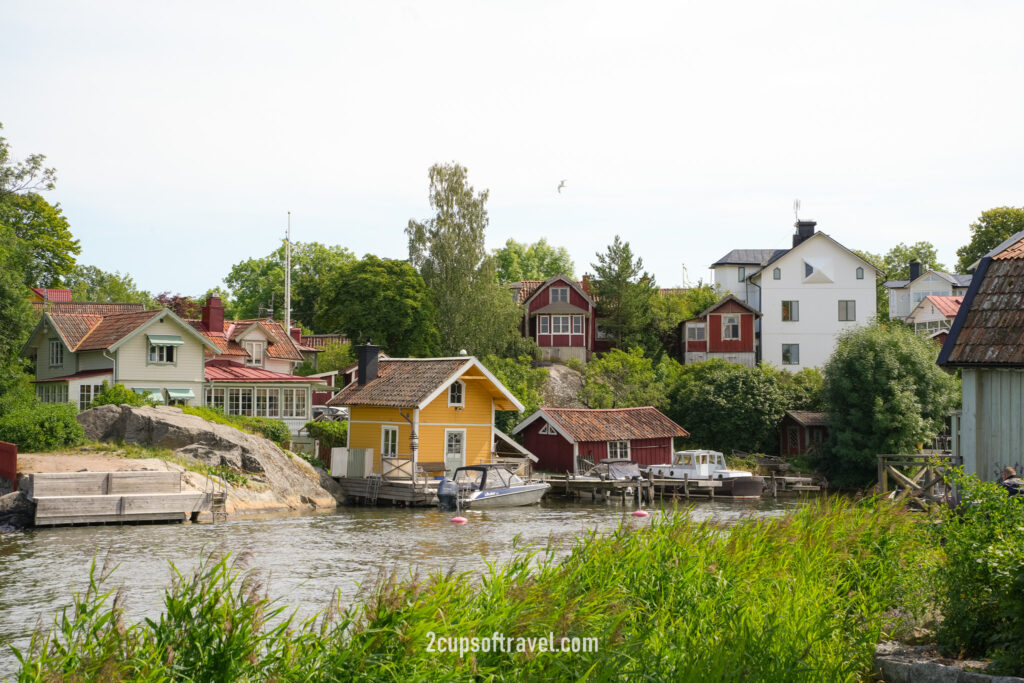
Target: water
<point x="305" y="557"/>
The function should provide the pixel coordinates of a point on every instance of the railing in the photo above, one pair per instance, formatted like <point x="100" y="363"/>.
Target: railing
<point x="916" y="476"/>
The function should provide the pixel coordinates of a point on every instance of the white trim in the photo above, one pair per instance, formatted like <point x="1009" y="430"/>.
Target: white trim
<point x="551" y="295"/>
<point x="425" y="424"/>
<point x="541" y="414"/>
<point x="471" y="362"/>
<point x="550" y="281"/>
<point x="158" y="316"/>
<point x="383" y="431"/>
<point x="608" y="448"/>
<point x="461" y="404"/>
<point x="510" y="441"/>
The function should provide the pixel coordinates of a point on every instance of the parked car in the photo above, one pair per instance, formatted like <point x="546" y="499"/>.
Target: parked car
<point x="332" y="413"/>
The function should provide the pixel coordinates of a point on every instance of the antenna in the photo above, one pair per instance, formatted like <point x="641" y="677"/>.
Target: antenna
<point x="686" y="277"/>
<point x="796" y="209"/>
<point x="288" y="277"/>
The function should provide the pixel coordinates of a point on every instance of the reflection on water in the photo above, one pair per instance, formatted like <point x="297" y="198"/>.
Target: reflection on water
<point x="306" y="557"/>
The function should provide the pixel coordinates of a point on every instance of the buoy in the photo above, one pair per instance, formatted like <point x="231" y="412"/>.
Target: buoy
<point x="636" y="513"/>
<point x="459" y="520"/>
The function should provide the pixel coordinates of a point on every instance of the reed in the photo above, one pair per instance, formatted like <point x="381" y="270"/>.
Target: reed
<point x="800" y="598"/>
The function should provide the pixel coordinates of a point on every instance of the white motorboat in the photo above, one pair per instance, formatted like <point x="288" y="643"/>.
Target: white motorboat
<point x="710" y="466"/>
<point x="488" y="486"/>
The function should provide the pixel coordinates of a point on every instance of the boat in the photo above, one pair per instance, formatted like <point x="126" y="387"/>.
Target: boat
<point x="488" y="486"/>
<point x="613" y="469"/>
<point x="701" y="465"/>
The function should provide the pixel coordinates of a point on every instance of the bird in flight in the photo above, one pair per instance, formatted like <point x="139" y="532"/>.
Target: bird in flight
<point x="560" y="186"/>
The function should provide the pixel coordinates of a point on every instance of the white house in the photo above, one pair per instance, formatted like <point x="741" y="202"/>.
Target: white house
<point x="807" y="295"/>
<point x="905" y="295"/>
<point x="934" y="314"/>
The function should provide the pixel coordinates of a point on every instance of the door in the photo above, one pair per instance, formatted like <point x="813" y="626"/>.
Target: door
<point x="454" y="449"/>
<point x="793" y="438"/>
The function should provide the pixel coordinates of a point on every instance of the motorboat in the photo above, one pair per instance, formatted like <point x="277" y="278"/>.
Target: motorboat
<point x="488" y="486"/>
<point x="698" y="465"/>
<point x="613" y="469"/>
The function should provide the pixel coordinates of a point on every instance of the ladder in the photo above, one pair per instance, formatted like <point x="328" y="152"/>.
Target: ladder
<point x="374" y="489"/>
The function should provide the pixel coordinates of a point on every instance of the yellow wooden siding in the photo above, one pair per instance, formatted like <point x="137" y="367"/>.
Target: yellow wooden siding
<point x="133" y="354"/>
<point x="369" y="434"/>
<point x="432" y="443"/>
<point x="477" y="405"/>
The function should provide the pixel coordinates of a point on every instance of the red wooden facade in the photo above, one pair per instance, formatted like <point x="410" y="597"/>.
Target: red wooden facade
<point x="800" y="432"/>
<point x="554" y="452"/>
<point x="568" y="324"/>
<point x="705" y="336"/>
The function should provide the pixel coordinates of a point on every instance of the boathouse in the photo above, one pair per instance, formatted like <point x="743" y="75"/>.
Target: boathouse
<point x="572" y="439"/>
<point x="802" y="431"/>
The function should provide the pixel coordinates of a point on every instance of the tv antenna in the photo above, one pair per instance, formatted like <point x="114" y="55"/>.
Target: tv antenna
<point x="796" y="209"/>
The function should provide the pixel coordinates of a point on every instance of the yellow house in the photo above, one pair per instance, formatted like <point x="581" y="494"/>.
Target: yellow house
<point x="437" y="413"/>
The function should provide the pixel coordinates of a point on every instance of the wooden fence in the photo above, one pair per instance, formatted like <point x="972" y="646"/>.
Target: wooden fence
<point x="918" y="476"/>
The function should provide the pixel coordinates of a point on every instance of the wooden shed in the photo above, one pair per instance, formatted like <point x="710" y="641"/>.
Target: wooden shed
<point x="801" y="431"/>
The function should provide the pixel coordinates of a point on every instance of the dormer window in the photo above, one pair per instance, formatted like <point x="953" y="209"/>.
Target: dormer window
<point x="559" y="295"/>
<point x="255" y="349"/>
<point x="457" y="394"/>
<point x="162" y="348"/>
<point x="161" y="354"/>
<point x="56" y="353"/>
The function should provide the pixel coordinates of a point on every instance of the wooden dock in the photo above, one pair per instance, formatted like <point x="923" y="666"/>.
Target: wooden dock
<point x="377" y="490"/>
<point x="105" y="497"/>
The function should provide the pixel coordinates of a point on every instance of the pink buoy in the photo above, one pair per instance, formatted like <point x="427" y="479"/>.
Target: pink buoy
<point x="640" y="513"/>
<point x="459" y="520"/>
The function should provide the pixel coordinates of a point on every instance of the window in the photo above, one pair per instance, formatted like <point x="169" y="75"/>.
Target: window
<point x="777" y="274"/>
<point x="730" y="327"/>
<point x="860" y="273"/>
<point x="548" y="430"/>
<point x="457" y="393"/>
<point x="808" y="269"/>
<point x="273" y="403"/>
<point x="161" y="354"/>
<point x="51" y="392"/>
<point x="215" y="398"/>
<point x="389" y="441"/>
<point x="741" y="273"/>
<point x="543" y="323"/>
<point x="240" y="401"/>
<point x="560" y="324"/>
<point x="695" y="332"/>
<point x="577" y="324"/>
<point x="848" y="310"/>
<point x="56" y="353"/>
<point x="559" y="295"/>
<point x="255" y="350"/>
<point x="618" y="449"/>
<point x="791" y="354"/>
<point x="86" y="394"/>
<point x="262" y="403"/>
<point x="790" y="311"/>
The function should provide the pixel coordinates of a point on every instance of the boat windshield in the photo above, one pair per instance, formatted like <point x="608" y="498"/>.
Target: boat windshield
<point x="499" y="478"/>
<point x="469" y="479"/>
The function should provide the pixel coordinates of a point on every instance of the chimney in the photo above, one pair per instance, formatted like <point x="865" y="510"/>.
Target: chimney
<point x="367" y="354"/>
<point x="296" y="333"/>
<point x="213" y="315"/>
<point x="804" y="229"/>
<point x="915" y="270"/>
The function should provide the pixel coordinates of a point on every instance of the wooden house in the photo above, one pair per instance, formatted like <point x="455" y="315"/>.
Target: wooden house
<point x="724" y="330"/>
<point x="429" y="414"/>
<point x="802" y="431"/>
<point x="567" y="439"/>
<point x="559" y="316"/>
<point x="986" y="342"/>
<point x="934" y="314"/>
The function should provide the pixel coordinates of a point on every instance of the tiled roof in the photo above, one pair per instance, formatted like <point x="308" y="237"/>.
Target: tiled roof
<point x="808" y="418"/>
<point x="947" y="305"/>
<point x="583" y="424"/>
<point x="228" y="371"/>
<point x="991" y="332"/>
<point x="400" y="383"/>
<point x="74" y="328"/>
<point x="53" y="294"/>
<point x="114" y="328"/>
<point x="77" y="375"/>
<point x="524" y="289"/>
<point x="749" y="257"/>
<point x="86" y="308"/>
<point x="322" y="341"/>
<point x="280" y="345"/>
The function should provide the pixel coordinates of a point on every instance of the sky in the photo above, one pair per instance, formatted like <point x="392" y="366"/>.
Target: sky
<point x="183" y="132"/>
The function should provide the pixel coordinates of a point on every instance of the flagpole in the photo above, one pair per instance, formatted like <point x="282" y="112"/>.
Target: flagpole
<point x="288" y="277"/>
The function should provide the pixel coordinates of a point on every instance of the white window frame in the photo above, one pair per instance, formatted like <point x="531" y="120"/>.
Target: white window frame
<point x="444" y="446"/>
<point x="461" y="403"/>
<point x="160" y="354"/>
<point x="693" y="329"/>
<point x="615" y="449"/>
<point x="791" y="361"/>
<point x="385" y="431"/>
<point x="560" y="324"/>
<point x="548" y="430"/>
<point x="56" y="353"/>
<point x="577" y="324"/>
<point x="86" y="394"/>
<point x="542" y="325"/>
<point x="794" y="311"/>
<point x="558" y="295"/>
<point x="216" y="397"/>
<point x="726" y="324"/>
<point x="257" y="353"/>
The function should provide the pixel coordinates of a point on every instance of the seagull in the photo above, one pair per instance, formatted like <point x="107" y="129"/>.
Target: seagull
<point x="560" y="186"/>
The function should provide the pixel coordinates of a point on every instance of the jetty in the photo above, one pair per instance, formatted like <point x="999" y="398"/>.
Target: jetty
<point x="115" y="497"/>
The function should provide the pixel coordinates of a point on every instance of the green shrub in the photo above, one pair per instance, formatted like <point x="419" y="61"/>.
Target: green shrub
<point x="269" y="428"/>
<point x="35" y="426"/>
<point x="118" y="395"/>
<point x="329" y="434"/>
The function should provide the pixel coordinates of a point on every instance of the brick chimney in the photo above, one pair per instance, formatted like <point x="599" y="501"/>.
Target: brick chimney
<point x="804" y="229"/>
<point x="915" y="270"/>
<point x="367" y="354"/>
<point x="213" y="315"/>
<point x="296" y="333"/>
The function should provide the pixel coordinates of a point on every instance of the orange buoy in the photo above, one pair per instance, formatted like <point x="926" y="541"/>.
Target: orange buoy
<point x="459" y="520"/>
<point x="640" y="513"/>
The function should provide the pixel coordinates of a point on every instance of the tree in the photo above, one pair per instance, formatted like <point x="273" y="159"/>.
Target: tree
<point x="801" y="390"/>
<point x="385" y="301"/>
<point x="988" y="232"/>
<point x="896" y="262"/>
<point x="184" y="307"/>
<point x="538" y="261"/>
<point x="625" y="297"/>
<point x="474" y="311"/>
<point x="20" y="177"/>
<point x="673" y="307"/>
<point x="622" y="379"/>
<point x="333" y="357"/>
<point x="89" y="283"/>
<point x="727" y="406"/>
<point x="15" y="313"/>
<point x="884" y="394"/>
<point x="524" y="381"/>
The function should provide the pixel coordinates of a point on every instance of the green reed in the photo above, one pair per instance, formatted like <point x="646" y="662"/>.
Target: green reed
<point x="803" y="597"/>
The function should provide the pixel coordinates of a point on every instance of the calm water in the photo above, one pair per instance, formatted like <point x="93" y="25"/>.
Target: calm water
<point x="305" y="556"/>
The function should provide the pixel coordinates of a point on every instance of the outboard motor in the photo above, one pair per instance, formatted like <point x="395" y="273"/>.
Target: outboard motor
<point x="448" y="495"/>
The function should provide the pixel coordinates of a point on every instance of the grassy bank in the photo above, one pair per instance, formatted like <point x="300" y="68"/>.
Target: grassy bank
<point x="804" y="597"/>
<point x="138" y="452"/>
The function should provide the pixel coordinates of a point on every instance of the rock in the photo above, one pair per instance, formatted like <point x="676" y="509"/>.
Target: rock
<point x="899" y="663"/>
<point x="291" y="482"/>
<point x="16" y="510"/>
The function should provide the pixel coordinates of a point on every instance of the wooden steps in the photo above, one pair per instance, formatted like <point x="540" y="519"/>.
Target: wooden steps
<point x="101" y="497"/>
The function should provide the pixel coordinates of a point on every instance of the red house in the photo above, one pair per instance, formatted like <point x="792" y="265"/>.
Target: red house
<point x="725" y="330"/>
<point x="802" y="431"/>
<point x="561" y="437"/>
<point x="559" y="317"/>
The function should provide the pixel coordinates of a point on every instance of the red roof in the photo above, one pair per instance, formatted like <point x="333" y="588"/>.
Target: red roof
<point x="947" y="305"/>
<point x="229" y="371"/>
<point x="53" y="294"/>
<point x="612" y="424"/>
<point x="77" y="375"/>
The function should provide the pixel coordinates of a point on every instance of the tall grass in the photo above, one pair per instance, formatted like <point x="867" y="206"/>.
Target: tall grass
<point x="800" y="598"/>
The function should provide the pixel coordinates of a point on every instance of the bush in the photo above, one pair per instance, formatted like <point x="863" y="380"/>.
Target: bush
<point x="37" y="426"/>
<point x="269" y="428"/>
<point x="329" y="434"/>
<point x="118" y="395"/>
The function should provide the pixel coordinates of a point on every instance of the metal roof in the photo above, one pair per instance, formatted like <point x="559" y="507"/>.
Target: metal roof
<point x="220" y="370"/>
<point x="749" y="257"/>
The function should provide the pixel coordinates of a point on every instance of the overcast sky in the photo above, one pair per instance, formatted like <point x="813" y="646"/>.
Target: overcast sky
<point x="183" y="132"/>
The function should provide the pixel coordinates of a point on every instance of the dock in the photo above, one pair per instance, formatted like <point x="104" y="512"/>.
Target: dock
<point x="377" y="490"/>
<point x="114" y="497"/>
<point x="651" y="489"/>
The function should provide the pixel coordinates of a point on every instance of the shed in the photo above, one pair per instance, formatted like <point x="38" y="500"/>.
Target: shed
<point x="802" y="430"/>
<point x="562" y="437"/>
